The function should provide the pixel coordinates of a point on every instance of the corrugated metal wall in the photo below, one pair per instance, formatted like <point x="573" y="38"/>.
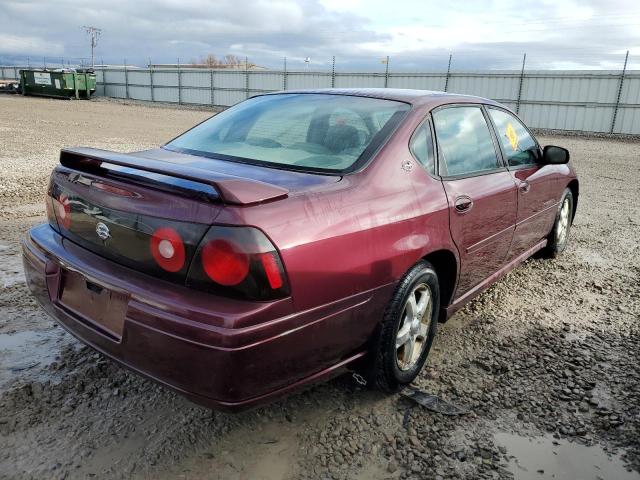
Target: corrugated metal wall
<point x="9" y="73"/>
<point x="564" y="100"/>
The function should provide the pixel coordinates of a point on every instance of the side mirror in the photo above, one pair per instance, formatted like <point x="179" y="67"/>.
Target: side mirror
<point x="552" y="155"/>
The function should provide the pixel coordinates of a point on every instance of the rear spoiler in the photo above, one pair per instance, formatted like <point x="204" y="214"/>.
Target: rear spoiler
<point x="232" y="189"/>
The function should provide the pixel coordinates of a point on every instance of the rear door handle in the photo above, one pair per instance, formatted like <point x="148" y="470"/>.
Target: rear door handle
<point x="524" y="186"/>
<point x="463" y="203"/>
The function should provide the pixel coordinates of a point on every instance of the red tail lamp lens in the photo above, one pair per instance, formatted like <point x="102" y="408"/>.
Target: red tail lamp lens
<point x="239" y="262"/>
<point x="63" y="211"/>
<point x="224" y="262"/>
<point x="167" y="249"/>
<point x="272" y="269"/>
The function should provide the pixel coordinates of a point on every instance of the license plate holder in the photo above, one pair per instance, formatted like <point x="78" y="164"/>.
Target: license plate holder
<point x="94" y="304"/>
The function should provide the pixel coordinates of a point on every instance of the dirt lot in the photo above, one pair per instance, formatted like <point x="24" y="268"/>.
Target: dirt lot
<point x="547" y="361"/>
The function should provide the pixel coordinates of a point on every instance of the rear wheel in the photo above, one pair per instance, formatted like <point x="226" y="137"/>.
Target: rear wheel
<point x="408" y="328"/>
<point x="559" y="236"/>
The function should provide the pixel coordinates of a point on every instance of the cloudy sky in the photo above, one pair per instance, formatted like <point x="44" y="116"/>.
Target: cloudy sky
<point x="416" y="34"/>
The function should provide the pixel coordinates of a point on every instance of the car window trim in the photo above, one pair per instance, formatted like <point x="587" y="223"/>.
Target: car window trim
<point x="503" y="152"/>
<point x="501" y="165"/>
<point x="474" y="174"/>
<point x="426" y="120"/>
<point x="494" y="137"/>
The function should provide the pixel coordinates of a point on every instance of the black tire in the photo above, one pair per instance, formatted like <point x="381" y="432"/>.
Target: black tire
<point x="385" y="372"/>
<point x="556" y="243"/>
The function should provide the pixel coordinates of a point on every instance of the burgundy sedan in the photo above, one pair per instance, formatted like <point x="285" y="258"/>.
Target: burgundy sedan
<point x="294" y="236"/>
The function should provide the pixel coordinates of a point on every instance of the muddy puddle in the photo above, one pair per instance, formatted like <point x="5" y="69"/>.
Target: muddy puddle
<point x="26" y="354"/>
<point x="547" y="458"/>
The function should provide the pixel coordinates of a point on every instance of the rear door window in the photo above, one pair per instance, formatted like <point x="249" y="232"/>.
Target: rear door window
<point x="465" y="143"/>
<point x="519" y="147"/>
<point x="422" y="147"/>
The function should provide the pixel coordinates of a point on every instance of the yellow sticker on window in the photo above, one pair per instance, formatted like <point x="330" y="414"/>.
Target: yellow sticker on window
<point x="512" y="136"/>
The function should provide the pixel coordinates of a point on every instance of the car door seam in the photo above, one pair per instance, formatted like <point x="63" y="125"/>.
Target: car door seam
<point x="524" y="220"/>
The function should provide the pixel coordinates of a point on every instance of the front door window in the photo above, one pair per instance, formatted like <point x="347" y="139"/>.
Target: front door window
<point x="518" y="145"/>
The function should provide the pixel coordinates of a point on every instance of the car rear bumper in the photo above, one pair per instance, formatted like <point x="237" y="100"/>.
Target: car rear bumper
<point x="223" y="353"/>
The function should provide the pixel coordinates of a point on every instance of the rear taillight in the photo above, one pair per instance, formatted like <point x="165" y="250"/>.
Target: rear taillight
<point x="167" y="248"/>
<point x="224" y="262"/>
<point x="238" y="261"/>
<point x="273" y="269"/>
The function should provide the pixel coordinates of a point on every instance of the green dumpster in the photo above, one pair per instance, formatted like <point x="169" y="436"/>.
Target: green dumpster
<point x="62" y="83"/>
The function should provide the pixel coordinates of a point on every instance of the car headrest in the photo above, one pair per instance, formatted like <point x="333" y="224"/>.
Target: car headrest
<point x="341" y="137"/>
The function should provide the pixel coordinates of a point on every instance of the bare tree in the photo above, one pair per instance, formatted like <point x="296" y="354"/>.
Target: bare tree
<point x="232" y="60"/>
<point x="211" y="61"/>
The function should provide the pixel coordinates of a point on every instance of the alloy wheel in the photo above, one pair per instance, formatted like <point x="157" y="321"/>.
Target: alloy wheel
<point x="563" y="222"/>
<point x="414" y="326"/>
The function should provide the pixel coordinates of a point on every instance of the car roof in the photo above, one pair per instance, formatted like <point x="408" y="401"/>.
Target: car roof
<point x="428" y="98"/>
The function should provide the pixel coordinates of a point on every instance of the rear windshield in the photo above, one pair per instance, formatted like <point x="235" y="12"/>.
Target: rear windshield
<point x="313" y="132"/>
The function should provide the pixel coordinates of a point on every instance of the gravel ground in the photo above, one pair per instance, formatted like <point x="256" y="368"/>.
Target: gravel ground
<point x="546" y="361"/>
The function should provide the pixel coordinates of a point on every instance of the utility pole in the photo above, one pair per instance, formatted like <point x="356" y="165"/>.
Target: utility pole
<point x="94" y="33"/>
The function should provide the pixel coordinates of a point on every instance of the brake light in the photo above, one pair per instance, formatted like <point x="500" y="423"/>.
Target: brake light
<point x="238" y="261"/>
<point x="224" y="262"/>
<point x="167" y="249"/>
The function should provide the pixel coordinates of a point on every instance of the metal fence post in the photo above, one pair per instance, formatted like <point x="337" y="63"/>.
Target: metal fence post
<point x="212" y="86"/>
<point x="15" y="72"/>
<point x="246" y="77"/>
<point x="386" y="72"/>
<point x="104" y="81"/>
<point x="126" y="79"/>
<point x="179" y="84"/>
<point x="153" y="98"/>
<point x="615" y="110"/>
<point x="524" y="59"/>
<point x="333" y="72"/>
<point x="446" y="80"/>
<point x="284" y="75"/>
